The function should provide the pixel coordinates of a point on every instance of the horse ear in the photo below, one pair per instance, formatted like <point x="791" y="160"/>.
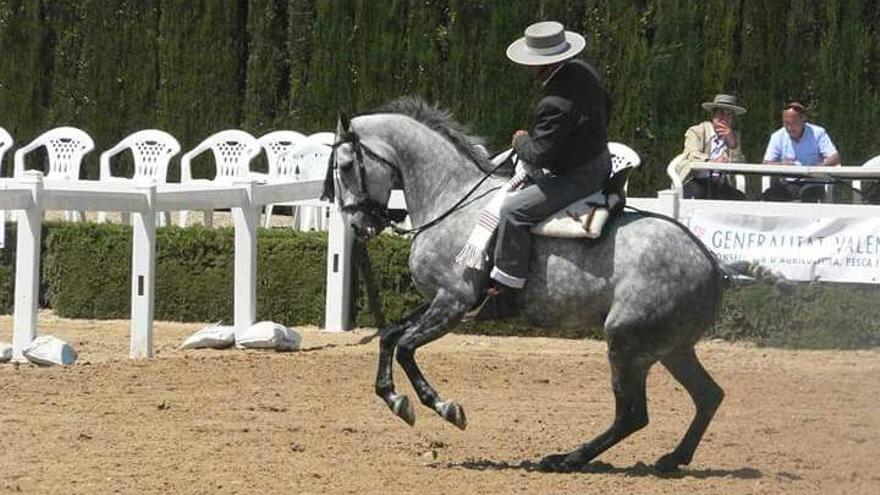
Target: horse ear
<point x="343" y="124"/>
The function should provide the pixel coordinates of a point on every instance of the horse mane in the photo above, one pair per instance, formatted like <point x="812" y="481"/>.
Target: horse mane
<point x="442" y="122"/>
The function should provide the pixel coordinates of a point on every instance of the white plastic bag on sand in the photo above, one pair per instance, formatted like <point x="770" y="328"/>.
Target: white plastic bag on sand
<point x="214" y="336"/>
<point x="5" y="352"/>
<point x="47" y="350"/>
<point x="269" y="335"/>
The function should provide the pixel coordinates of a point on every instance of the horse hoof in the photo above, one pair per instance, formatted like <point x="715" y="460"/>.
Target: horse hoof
<point x="669" y="463"/>
<point x="558" y="463"/>
<point x="452" y="412"/>
<point x="403" y="409"/>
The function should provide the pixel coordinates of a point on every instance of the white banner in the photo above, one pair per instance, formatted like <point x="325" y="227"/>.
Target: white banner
<point x="828" y="249"/>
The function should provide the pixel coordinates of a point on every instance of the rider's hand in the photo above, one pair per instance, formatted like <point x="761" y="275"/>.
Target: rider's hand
<point x="516" y="135"/>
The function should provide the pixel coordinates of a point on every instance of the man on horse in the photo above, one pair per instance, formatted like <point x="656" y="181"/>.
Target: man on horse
<point x="568" y="139"/>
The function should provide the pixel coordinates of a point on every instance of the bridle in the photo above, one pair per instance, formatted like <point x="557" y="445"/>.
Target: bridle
<point x="365" y="204"/>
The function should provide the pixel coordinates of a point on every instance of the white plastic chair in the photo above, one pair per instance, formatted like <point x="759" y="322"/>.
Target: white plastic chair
<point x="307" y="160"/>
<point x="325" y="138"/>
<point x="5" y="144"/>
<point x="151" y="150"/>
<point x="281" y="151"/>
<point x="313" y="159"/>
<point x="856" y="184"/>
<point x="622" y="158"/>
<point x="65" y="148"/>
<point x="678" y="184"/>
<point x="233" y="152"/>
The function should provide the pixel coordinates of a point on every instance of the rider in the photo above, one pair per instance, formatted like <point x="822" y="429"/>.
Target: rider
<point x="568" y="138"/>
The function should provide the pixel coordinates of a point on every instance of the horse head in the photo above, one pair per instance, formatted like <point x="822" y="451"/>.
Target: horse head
<point x="360" y="178"/>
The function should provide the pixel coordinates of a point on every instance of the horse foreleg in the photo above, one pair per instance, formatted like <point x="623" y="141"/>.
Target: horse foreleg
<point x="628" y="378"/>
<point x="398" y="403"/>
<point x="436" y="322"/>
<point x="707" y="396"/>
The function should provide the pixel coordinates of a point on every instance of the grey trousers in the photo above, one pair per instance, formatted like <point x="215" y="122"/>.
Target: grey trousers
<point x="531" y="205"/>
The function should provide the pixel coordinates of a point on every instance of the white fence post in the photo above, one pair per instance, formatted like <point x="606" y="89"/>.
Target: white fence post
<point x="143" y="275"/>
<point x="337" y="310"/>
<point x="27" y="267"/>
<point x="247" y="219"/>
<point x="671" y="202"/>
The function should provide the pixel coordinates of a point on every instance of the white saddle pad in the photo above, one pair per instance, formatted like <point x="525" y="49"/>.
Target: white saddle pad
<point x="581" y="219"/>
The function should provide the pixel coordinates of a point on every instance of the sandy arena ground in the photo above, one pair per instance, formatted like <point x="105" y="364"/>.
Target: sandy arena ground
<point x="307" y="422"/>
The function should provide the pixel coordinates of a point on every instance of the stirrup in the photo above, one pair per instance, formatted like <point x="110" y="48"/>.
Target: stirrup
<point x="499" y="303"/>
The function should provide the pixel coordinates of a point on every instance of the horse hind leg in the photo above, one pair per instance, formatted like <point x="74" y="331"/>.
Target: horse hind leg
<point x="398" y="403"/>
<point x="628" y="381"/>
<point x="437" y="321"/>
<point x="707" y="396"/>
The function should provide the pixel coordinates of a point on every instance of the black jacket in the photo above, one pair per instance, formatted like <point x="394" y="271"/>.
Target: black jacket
<point x="571" y="120"/>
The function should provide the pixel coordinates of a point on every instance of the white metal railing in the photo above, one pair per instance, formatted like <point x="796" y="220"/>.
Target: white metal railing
<point x="680" y="169"/>
<point x="31" y="195"/>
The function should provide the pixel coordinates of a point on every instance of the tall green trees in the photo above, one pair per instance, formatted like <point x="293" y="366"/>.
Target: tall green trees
<point x="195" y="67"/>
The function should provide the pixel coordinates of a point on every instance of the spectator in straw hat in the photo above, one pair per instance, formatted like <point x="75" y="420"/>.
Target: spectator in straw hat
<point x="714" y="140"/>
<point x="568" y="137"/>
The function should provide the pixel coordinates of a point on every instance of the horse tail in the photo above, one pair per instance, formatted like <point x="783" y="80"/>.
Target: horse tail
<point x="749" y="271"/>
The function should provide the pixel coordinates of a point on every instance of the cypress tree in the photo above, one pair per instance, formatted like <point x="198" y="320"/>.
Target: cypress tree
<point x="427" y="48"/>
<point x="25" y="72"/>
<point x="193" y="68"/>
<point x="332" y="69"/>
<point x="202" y="60"/>
<point x="299" y="45"/>
<point x="267" y="65"/>
<point x="117" y="73"/>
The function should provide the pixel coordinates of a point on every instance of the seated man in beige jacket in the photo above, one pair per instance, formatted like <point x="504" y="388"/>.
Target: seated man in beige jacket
<point x="714" y="141"/>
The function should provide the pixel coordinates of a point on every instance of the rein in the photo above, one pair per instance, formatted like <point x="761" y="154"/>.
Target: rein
<point x="374" y="208"/>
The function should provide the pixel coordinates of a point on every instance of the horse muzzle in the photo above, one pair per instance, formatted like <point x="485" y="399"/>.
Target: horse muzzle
<point x="367" y="226"/>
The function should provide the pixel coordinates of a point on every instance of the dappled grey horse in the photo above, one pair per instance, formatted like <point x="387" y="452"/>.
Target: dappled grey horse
<point x="652" y="284"/>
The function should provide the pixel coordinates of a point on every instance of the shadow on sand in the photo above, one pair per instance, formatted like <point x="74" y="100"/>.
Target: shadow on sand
<point x="598" y="467"/>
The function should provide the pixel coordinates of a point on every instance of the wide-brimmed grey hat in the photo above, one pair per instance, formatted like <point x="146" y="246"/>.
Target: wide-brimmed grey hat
<point x="545" y="43"/>
<point x="727" y="102"/>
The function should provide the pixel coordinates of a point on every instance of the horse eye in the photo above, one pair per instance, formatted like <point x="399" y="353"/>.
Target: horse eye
<point x="344" y="157"/>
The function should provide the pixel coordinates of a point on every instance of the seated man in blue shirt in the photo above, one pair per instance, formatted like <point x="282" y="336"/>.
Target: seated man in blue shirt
<point x="799" y="142"/>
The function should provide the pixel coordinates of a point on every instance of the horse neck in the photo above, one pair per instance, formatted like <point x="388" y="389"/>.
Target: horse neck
<point x="435" y="173"/>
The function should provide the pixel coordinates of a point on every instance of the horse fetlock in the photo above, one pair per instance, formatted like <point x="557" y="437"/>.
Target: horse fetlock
<point x="631" y="424"/>
<point x="452" y="412"/>
<point x="714" y="398"/>
<point x="384" y="390"/>
<point x="402" y="408"/>
<point x="637" y="423"/>
<point x="671" y="462"/>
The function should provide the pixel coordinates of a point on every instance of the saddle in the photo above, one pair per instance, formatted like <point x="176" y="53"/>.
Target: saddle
<point x="585" y="218"/>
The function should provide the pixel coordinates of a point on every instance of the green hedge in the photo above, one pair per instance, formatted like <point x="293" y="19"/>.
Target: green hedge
<point x="7" y="278"/>
<point x="195" y="67"/>
<point x="86" y="274"/>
